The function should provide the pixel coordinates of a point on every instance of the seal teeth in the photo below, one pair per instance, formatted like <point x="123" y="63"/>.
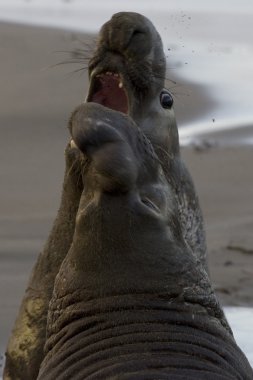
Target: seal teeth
<point x="110" y="73"/>
<point x="73" y="144"/>
<point x="120" y="84"/>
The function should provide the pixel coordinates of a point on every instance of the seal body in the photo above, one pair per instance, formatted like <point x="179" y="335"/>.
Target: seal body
<point x="126" y="74"/>
<point x="131" y="300"/>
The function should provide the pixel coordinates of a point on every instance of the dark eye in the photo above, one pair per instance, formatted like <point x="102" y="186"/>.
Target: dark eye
<point x="166" y="99"/>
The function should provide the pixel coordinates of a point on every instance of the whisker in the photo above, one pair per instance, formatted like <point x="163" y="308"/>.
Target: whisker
<point x="90" y="44"/>
<point x="64" y="63"/>
<point x="75" y="168"/>
<point x="79" y="179"/>
<point x="72" y="167"/>
<point x="72" y="52"/>
<point x="159" y="77"/>
<point x="80" y="71"/>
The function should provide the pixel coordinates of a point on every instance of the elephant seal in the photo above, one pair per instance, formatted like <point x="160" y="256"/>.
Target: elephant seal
<point x="131" y="300"/>
<point x="126" y="74"/>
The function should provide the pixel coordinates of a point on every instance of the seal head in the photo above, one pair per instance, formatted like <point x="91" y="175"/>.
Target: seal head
<point x="127" y="74"/>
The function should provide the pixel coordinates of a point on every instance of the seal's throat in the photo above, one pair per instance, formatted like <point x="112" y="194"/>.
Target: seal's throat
<point x="107" y="89"/>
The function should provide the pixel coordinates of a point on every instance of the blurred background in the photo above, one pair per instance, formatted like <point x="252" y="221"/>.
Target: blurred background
<point x="209" y="50"/>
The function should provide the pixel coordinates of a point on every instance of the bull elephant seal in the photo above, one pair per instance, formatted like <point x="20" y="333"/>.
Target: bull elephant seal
<point x="131" y="301"/>
<point x="127" y="74"/>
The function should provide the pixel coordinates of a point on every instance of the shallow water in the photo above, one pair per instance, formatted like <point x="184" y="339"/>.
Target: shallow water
<point x="207" y="44"/>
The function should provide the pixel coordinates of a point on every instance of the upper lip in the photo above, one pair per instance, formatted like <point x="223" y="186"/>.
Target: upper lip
<point x="109" y="73"/>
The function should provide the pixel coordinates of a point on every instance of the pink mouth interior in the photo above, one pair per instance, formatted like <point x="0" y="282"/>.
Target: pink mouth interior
<point x="106" y="91"/>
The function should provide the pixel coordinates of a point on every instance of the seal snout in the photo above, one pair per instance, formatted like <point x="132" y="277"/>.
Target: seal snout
<point x="133" y="33"/>
<point x="101" y="137"/>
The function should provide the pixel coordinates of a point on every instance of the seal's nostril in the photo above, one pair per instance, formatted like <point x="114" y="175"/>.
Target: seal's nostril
<point x="137" y="32"/>
<point x="150" y="204"/>
<point x="136" y="37"/>
<point x="139" y="42"/>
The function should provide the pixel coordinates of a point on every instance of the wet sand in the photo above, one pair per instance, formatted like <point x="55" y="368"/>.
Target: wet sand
<point x="35" y="106"/>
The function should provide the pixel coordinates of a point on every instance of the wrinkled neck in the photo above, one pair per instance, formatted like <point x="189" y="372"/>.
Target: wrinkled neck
<point x="108" y="336"/>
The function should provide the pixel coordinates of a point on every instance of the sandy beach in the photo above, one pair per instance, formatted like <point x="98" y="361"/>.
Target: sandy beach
<point x="36" y="102"/>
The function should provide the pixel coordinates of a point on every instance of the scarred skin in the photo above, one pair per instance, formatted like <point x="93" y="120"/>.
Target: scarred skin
<point x="130" y="45"/>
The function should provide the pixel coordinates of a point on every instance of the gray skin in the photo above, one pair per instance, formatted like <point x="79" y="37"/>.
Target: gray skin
<point x="25" y="347"/>
<point x="129" y="45"/>
<point x="131" y="300"/>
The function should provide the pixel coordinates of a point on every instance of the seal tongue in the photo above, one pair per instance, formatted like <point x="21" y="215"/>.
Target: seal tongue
<point x="108" y="91"/>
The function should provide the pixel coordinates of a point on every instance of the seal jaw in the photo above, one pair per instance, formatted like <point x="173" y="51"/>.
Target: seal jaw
<point x="107" y="88"/>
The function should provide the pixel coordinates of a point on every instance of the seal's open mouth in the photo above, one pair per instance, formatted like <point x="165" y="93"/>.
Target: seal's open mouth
<point x="107" y="89"/>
